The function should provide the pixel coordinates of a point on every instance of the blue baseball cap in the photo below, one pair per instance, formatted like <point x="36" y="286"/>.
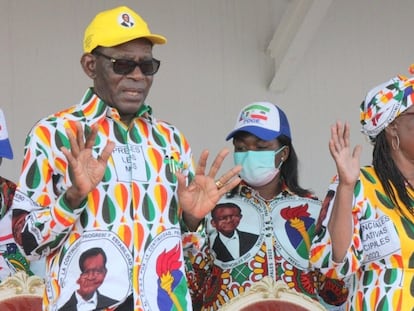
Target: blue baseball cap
<point x="262" y="119"/>
<point x="5" y="147"/>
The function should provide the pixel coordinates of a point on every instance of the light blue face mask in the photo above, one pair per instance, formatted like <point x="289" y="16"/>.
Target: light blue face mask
<point x="258" y="167"/>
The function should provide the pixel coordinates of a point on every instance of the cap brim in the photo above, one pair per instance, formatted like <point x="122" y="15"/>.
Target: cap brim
<point x="155" y="39"/>
<point x="263" y="134"/>
<point x="110" y="42"/>
<point x="5" y="149"/>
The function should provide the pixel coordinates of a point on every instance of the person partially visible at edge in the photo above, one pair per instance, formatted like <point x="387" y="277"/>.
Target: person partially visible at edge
<point x="11" y="259"/>
<point x="107" y="173"/>
<point x="274" y="207"/>
<point x="366" y="228"/>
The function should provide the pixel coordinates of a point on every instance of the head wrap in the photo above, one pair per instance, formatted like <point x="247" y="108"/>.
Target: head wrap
<point x="384" y="103"/>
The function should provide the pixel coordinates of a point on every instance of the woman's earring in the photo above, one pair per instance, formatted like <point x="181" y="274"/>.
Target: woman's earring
<point x="395" y="143"/>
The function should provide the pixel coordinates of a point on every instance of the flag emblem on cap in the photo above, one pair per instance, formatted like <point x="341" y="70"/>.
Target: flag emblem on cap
<point x="257" y="112"/>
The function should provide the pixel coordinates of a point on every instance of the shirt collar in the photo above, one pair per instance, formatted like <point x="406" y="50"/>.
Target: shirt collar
<point x="93" y="301"/>
<point x="246" y="191"/>
<point x="94" y="108"/>
<point x="225" y="239"/>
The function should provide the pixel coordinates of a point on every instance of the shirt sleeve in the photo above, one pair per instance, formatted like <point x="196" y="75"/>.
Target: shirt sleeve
<point x="39" y="205"/>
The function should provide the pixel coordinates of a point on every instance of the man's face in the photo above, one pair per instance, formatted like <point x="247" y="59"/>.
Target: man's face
<point x="92" y="277"/>
<point x="127" y="92"/>
<point x="226" y="220"/>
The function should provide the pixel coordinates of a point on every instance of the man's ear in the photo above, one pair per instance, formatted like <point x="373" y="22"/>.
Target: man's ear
<point x="213" y="223"/>
<point x="88" y="63"/>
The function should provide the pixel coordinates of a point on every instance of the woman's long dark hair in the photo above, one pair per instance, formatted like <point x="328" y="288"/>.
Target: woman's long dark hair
<point x="388" y="173"/>
<point x="290" y="169"/>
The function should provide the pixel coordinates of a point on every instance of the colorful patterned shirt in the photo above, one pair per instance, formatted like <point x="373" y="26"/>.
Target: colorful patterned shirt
<point x="273" y="239"/>
<point x="379" y="262"/>
<point x="133" y="214"/>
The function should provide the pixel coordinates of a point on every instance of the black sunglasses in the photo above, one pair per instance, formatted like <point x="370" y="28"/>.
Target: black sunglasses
<point x="126" y="66"/>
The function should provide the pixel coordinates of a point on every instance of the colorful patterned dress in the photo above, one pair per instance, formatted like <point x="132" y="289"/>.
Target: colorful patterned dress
<point x="379" y="261"/>
<point x="133" y="214"/>
<point x="283" y="229"/>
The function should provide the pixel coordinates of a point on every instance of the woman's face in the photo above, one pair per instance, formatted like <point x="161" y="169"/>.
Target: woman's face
<point x="244" y="141"/>
<point x="403" y="126"/>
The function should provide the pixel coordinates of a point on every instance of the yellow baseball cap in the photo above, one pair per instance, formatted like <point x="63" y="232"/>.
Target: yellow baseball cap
<point x="117" y="26"/>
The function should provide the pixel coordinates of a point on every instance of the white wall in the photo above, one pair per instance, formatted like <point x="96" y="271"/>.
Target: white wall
<point x="215" y="62"/>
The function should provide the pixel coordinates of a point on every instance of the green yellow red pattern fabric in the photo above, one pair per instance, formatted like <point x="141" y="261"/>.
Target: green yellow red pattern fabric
<point x="133" y="214"/>
<point x="379" y="261"/>
<point x="281" y="250"/>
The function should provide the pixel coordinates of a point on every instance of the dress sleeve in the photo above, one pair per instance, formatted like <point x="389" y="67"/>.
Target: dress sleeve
<point x="321" y="250"/>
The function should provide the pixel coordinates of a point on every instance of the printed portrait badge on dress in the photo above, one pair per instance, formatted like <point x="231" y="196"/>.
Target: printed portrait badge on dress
<point x="5" y="147"/>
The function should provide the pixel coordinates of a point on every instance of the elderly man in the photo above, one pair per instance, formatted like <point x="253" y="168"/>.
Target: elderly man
<point x="107" y="173"/>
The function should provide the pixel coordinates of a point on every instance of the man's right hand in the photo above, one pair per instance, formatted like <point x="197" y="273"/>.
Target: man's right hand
<point x="85" y="171"/>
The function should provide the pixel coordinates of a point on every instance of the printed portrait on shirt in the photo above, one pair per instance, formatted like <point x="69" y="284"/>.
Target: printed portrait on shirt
<point x="235" y="228"/>
<point x="87" y="273"/>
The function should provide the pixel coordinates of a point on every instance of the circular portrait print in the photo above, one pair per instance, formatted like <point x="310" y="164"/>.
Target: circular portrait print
<point x="234" y="228"/>
<point x="89" y="270"/>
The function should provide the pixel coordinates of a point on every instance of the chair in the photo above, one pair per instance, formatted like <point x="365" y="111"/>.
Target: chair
<point x="20" y="292"/>
<point x="268" y="295"/>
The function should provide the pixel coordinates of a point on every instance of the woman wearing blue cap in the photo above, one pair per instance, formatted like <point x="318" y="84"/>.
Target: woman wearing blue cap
<point x="270" y="204"/>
